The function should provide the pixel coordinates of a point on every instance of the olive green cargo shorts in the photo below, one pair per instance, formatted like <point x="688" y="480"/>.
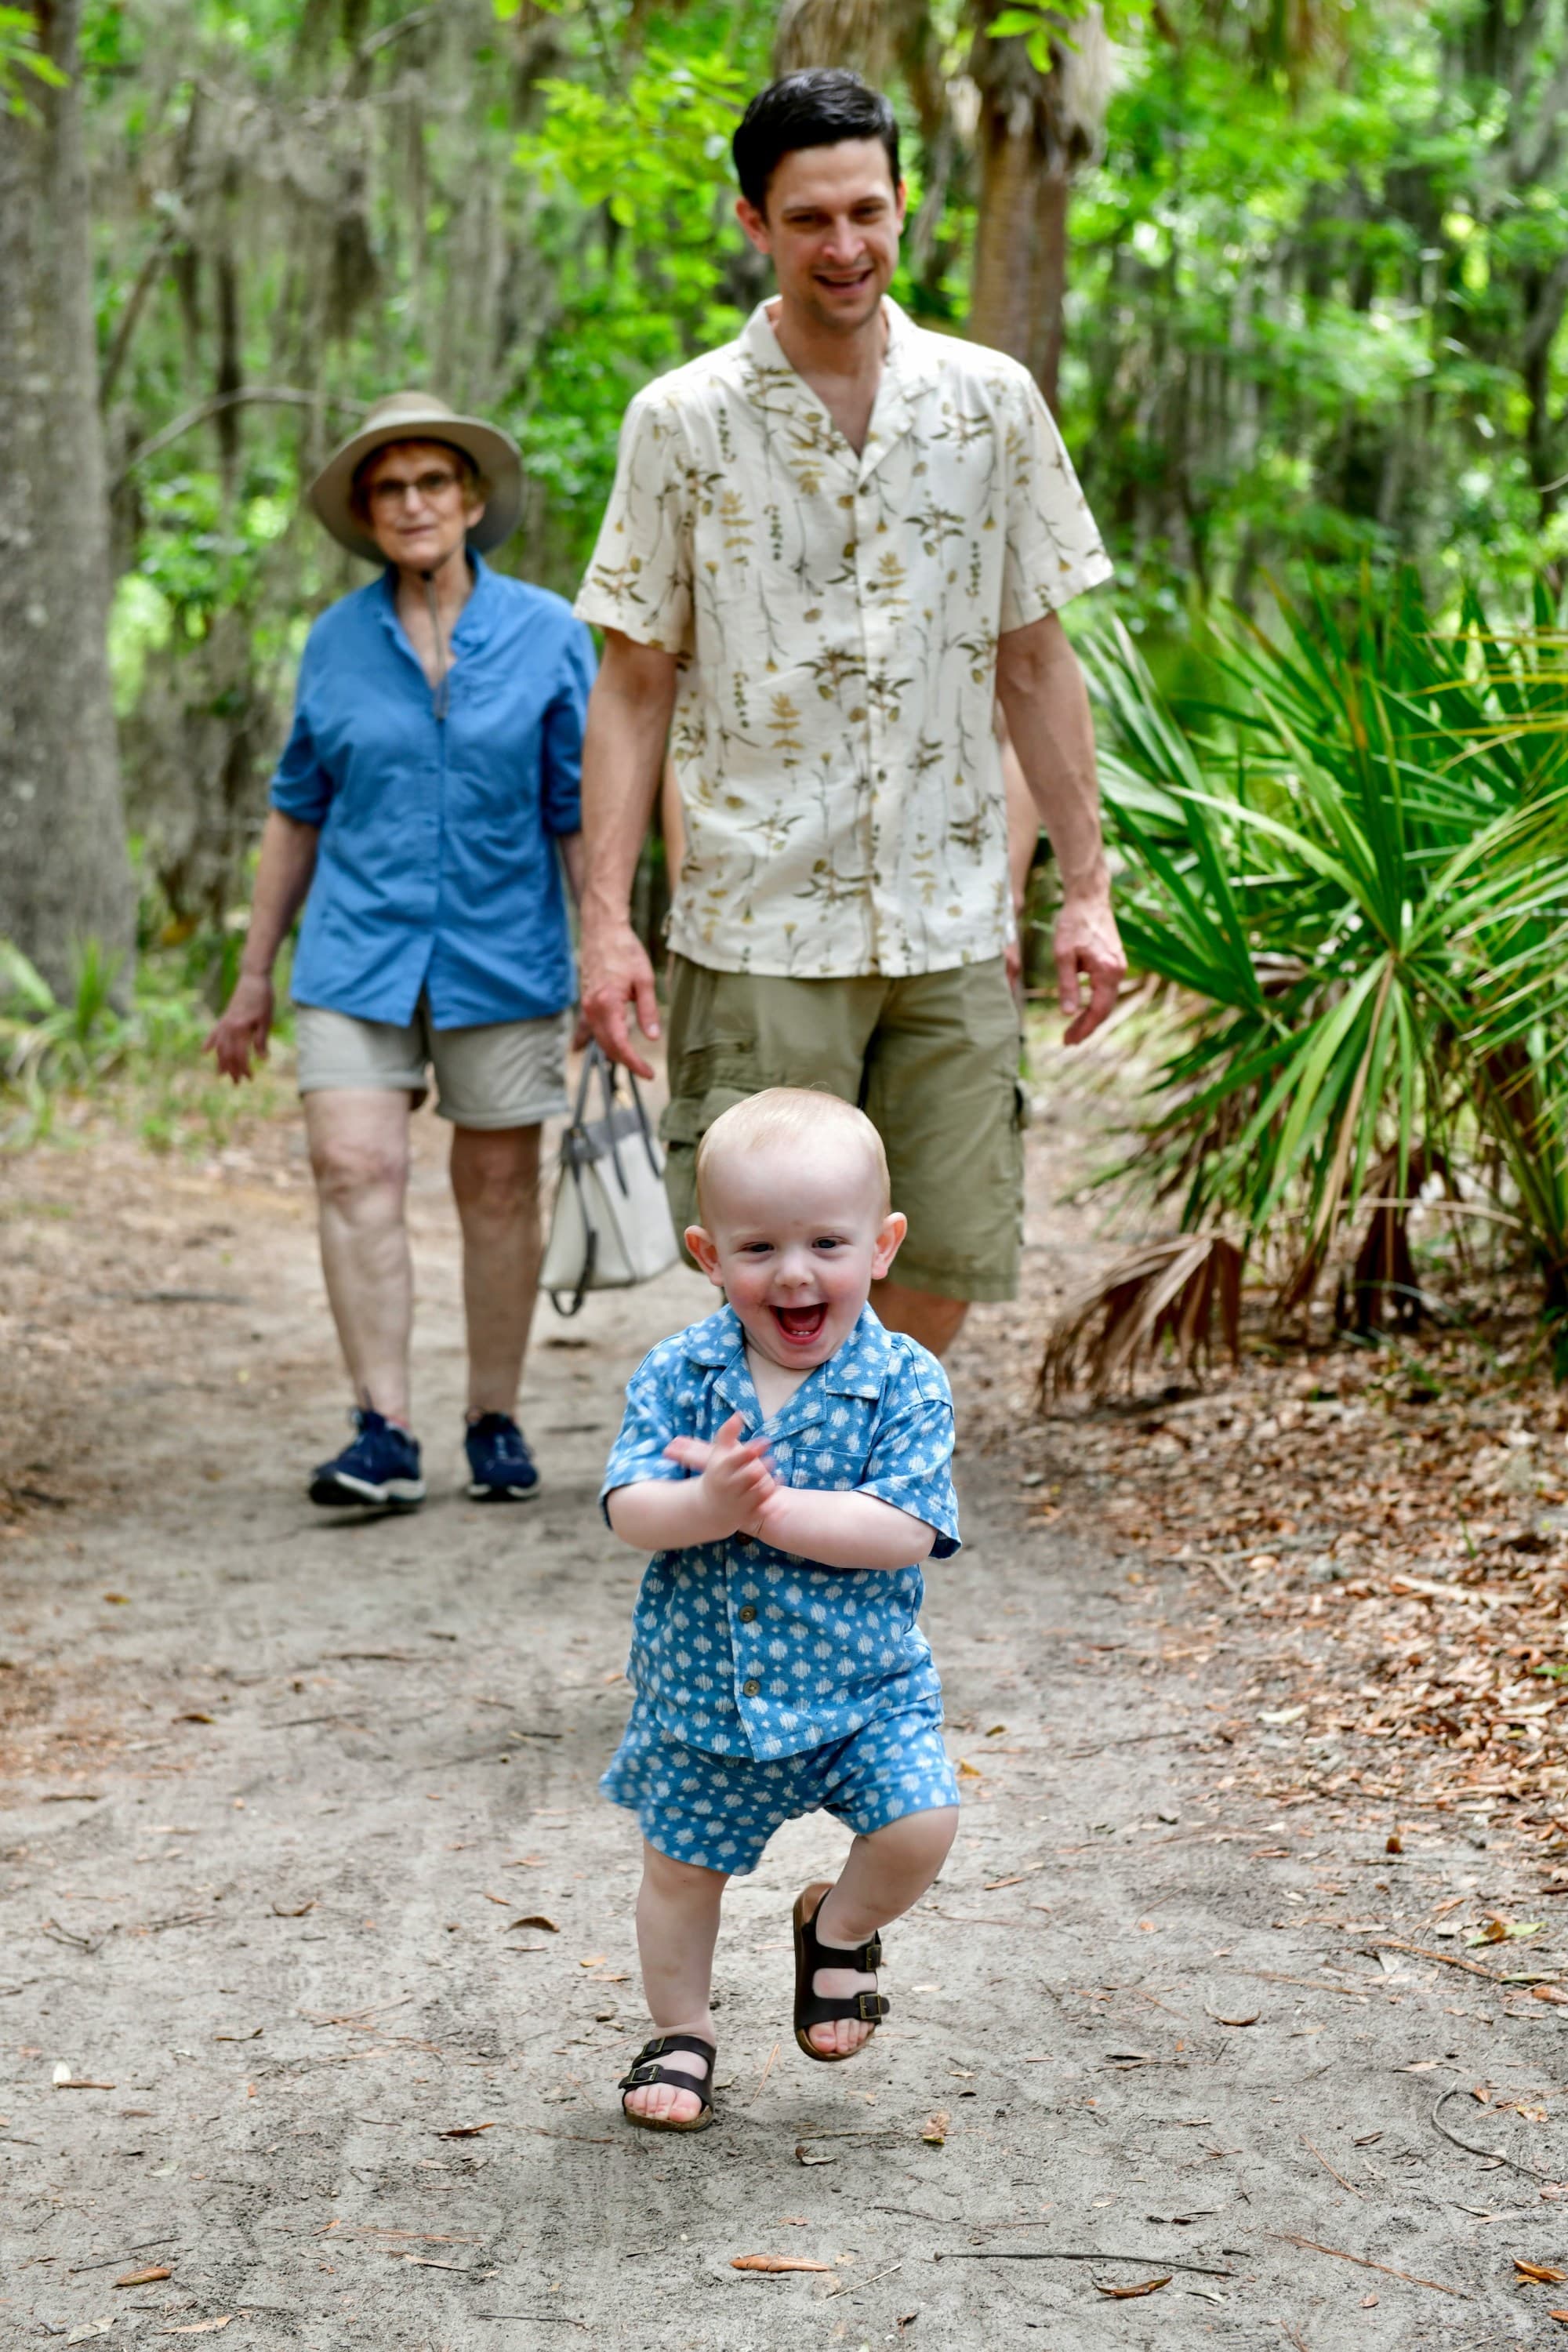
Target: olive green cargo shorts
<point x="933" y="1062"/>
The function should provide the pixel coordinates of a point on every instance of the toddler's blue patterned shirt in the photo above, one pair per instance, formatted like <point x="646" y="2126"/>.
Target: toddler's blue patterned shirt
<point x="744" y="1651"/>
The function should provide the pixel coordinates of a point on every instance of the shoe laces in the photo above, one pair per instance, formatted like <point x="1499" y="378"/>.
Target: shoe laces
<point x="500" y="1429"/>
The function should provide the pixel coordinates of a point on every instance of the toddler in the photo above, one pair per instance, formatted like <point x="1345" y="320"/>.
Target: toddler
<point x="788" y="1461"/>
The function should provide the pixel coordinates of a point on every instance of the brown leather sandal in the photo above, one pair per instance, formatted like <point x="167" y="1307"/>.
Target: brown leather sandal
<point x="811" y="2007"/>
<point x="645" y="2071"/>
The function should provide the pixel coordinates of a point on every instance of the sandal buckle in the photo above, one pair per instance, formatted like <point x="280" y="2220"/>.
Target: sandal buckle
<point x="869" y="1958"/>
<point x="871" y="2008"/>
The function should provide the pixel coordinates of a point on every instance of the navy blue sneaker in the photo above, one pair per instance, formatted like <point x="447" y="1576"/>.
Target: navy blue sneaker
<point x="501" y="1467"/>
<point x="380" y="1470"/>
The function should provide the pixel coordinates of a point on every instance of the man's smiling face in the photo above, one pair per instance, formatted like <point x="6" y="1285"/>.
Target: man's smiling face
<point x="795" y="1239"/>
<point x="831" y="226"/>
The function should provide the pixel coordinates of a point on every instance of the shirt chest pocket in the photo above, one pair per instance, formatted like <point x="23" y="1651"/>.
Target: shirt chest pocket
<point x="812" y="1459"/>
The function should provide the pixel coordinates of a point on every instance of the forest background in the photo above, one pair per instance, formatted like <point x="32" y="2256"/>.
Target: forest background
<point x="1293" y="273"/>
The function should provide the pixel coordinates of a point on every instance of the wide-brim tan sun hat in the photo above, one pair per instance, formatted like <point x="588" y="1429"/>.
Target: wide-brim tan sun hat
<point x="420" y="416"/>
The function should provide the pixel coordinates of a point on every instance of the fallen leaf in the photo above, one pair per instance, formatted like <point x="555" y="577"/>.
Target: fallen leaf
<point x="1498" y="1930"/>
<point x="1549" y="1992"/>
<point x="1395" y="1845"/>
<point x="200" y="2327"/>
<point x="1126" y="2293"/>
<point x="776" y="2262"/>
<point x="120" y="1600"/>
<point x="805" y="2155"/>
<point x="504" y="1900"/>
<point x="1543" y="2274"/>
<point x="969" y="1771"/>
<point x="283" y="1911"/>
<point x="995" y="1730"/>
<point x="594" y="1961"/>
<point x="195" y="1716"/>
<point x="935" y="2132"/>
<point x="535" y="1919"/>
<point x="1232" y="2020"/>
<point x="254" y="2035"/>
<point x="148" y="2276"/>
<point x="464" y="2131"/>
<point x="1282" y="1715"/>
<point x="72" y="2083"/>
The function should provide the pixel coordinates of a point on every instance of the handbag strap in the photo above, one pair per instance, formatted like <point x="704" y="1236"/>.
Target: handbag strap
<point x="598" y="1063"/>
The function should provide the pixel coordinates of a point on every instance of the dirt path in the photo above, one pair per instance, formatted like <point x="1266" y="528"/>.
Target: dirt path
<point x="284" y="1794"/>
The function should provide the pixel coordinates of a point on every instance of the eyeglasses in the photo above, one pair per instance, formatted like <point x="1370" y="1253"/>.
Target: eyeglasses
<point x="429" y="487"/>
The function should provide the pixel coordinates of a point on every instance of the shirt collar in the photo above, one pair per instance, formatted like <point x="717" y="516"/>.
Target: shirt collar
<point x="475" y="620"/>
<point x="905" y="374"/>
<point x="857" y="1367"/>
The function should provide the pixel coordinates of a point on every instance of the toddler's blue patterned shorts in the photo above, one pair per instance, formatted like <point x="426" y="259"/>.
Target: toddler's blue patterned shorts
<point x="721" y="1810"/>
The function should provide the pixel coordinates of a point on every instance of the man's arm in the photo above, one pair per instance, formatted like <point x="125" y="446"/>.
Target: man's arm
<point x="283" y="873"/>
<point x="622" y="754"/>
<point x="1041" y="690"/>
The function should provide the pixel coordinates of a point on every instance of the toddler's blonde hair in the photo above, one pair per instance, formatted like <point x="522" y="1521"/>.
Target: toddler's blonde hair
<point x="798" y="1115"/>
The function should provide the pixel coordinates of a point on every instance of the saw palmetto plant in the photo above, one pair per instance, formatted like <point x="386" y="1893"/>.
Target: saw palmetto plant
<point x="1352" y="867"/>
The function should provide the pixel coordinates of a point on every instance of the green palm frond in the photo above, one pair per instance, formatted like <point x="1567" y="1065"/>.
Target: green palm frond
<point x="1352" y="863"/>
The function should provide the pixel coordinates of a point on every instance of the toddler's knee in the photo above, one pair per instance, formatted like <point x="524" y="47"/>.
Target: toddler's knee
<point x="919" y="1839"/>
<point x="687" y="1880"/>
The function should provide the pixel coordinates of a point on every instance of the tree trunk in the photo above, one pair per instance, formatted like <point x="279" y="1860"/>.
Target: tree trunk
<point x="64" y="874"/>
<point x="1034" y="130"/>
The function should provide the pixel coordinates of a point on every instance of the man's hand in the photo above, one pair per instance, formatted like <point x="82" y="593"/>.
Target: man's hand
<point x="736" y="1478"/>
<point x="615" y="974"/>
<point x="244" y="1028"/>
<point x="1088" y="947"/>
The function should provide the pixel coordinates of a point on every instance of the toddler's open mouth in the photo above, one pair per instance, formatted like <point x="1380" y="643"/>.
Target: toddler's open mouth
<point x="802" y="1325"/>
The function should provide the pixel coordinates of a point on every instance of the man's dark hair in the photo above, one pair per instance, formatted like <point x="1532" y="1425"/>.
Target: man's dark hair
<point x="816" y="108"/>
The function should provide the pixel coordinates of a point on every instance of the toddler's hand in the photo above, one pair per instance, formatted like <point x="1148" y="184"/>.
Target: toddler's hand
<point x="736" y="1477"/>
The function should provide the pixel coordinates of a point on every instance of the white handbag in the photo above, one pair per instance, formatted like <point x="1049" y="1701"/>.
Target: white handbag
<point x="610" y="1225"/>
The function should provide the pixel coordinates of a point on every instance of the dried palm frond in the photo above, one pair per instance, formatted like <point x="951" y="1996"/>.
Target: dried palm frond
<point x="1165" y="1290"/>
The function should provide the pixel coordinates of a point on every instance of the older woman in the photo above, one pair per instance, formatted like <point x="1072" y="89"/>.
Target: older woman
<point x="421" y="815"/>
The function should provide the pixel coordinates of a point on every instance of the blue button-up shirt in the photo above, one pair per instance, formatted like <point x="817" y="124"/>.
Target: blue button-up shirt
<point x="438" y="870"/>
<point x="745" y="1651"/>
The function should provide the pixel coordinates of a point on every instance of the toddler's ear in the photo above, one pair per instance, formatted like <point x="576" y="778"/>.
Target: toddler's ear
<point x="885" y="1248"/>
<point x="705" y="1250"/>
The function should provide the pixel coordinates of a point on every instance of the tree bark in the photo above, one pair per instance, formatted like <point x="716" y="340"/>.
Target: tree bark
<point x="1034" y="130"/>
<point x="65" y="876"/>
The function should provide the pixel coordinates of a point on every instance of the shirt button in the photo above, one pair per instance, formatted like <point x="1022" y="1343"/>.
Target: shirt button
<point x="748" y="1616"/>
<point x="751" y="1689"/>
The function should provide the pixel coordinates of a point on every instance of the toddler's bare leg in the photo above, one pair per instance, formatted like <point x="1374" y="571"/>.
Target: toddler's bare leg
<point x="677" y="1926"/>
<point x="885" y="1874"/>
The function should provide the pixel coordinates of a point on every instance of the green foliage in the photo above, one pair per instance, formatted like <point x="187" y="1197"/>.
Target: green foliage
<point x="146" y="1067"/>
<point x="1317" y="306"/>
<point x="22" y="63"/>
<point x="654" y="153"/>
<point x="1354" y="860"/>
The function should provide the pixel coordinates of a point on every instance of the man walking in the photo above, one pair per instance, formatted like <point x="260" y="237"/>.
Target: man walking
<point x="833" y="545"/>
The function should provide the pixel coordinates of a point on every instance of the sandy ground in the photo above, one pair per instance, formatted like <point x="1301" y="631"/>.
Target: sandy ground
<point x="284" y="1794"/>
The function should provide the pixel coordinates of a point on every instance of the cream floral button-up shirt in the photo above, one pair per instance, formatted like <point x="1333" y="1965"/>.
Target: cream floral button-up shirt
<point x="836" y="618"/>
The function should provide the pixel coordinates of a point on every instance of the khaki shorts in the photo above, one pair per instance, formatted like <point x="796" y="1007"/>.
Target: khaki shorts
<point x="500" y="1074"/>
<point x="933" y="1062"/>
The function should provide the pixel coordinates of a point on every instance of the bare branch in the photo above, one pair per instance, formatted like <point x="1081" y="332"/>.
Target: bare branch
<point x="248" y="395"/>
